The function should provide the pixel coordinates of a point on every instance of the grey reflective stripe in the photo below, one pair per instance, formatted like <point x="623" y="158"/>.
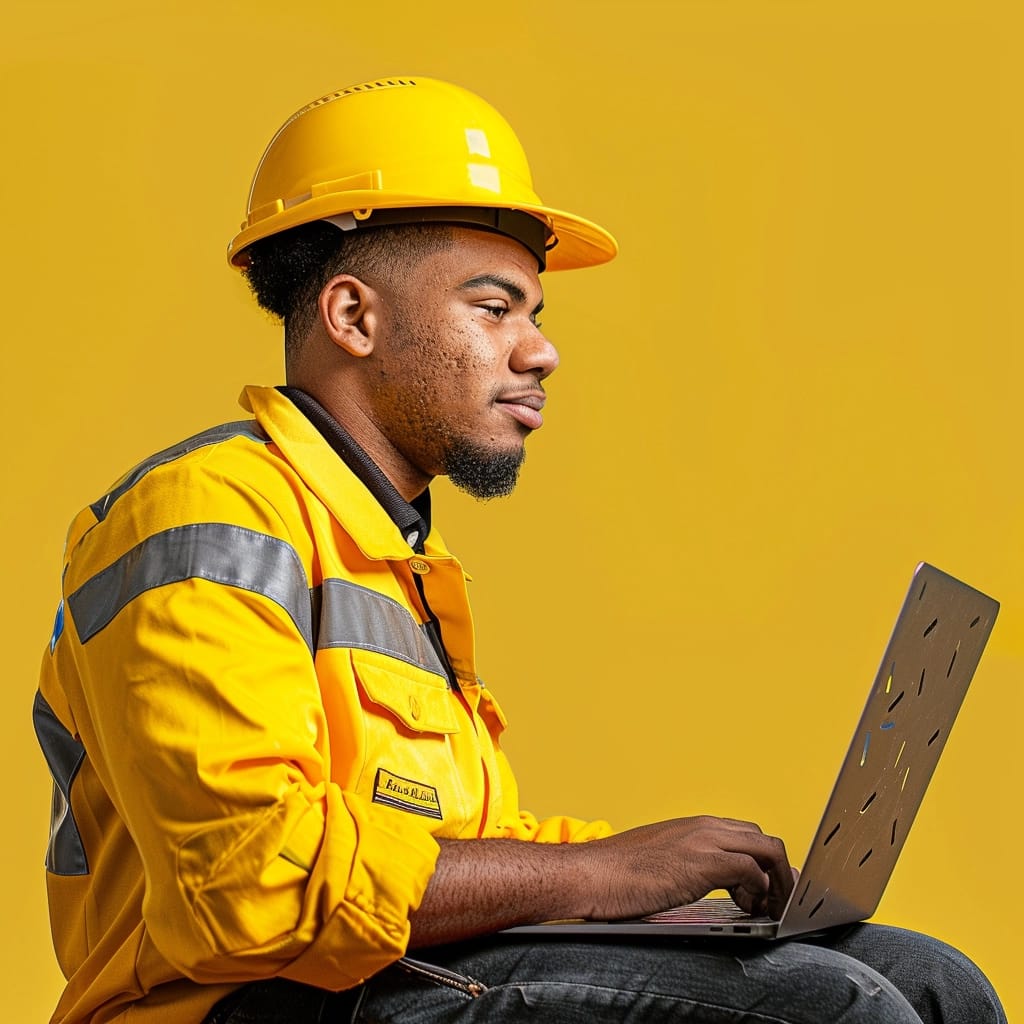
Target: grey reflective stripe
<point x="354" y="616"/>
<point x="219" y="552"/>
<point x="226" y="431"/>
<point x="65" y="853"/>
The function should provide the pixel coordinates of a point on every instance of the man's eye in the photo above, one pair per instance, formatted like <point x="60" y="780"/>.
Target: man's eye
<point x="496" y="311"/>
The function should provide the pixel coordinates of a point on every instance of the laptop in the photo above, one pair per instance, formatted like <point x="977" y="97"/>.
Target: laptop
<point x="934" y="649"/>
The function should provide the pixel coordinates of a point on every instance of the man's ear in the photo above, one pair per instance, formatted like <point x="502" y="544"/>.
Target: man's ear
<point x="350" y="314"/>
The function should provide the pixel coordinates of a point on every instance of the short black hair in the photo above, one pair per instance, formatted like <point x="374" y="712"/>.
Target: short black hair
<point x="287" y="271"/>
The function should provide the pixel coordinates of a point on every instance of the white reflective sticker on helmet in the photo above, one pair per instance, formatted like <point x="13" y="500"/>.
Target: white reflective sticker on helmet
<point x="476" y="140"/>
<point x="485" y="176"/>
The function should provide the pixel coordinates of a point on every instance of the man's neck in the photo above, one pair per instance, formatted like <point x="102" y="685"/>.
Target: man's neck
<point x="411" y="516"/>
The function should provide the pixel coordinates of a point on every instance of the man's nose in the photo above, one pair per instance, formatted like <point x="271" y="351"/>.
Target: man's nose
<point x="533" y="353"/>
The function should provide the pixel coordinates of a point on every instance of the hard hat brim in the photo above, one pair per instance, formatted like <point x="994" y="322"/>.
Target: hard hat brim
<point x="579" y="242"/>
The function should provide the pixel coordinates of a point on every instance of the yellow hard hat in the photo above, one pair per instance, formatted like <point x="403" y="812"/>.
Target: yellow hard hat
<point x="402" y="150"/>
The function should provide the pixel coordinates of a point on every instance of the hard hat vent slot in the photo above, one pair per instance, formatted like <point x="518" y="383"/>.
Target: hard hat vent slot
<point x="380" y="83"/>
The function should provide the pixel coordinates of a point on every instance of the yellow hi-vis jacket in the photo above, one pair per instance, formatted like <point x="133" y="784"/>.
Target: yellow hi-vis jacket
<point x="253" y="742"/>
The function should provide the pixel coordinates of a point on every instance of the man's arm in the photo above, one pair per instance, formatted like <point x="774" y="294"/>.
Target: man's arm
<point x="481" y="886"/>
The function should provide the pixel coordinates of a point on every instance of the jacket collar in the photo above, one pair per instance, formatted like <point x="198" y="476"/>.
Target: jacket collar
<point x="348" y="497"/>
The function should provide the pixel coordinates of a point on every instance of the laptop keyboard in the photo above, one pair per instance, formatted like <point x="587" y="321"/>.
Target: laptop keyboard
<point x="709" y="911"/>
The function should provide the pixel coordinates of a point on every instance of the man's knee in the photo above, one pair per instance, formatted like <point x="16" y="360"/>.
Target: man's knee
<point x="940" y="982"/>
<point x="813" y="983"/>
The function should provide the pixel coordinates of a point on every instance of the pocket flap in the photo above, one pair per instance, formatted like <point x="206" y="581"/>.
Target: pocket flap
<point x="420" y="700"/>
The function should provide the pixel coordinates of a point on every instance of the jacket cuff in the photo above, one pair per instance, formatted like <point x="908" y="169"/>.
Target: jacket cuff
<point x="384" y="879"/>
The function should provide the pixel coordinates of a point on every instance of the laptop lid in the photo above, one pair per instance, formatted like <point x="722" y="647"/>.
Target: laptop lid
<point x="927" y="667"/>
<point x="931" y="657"/>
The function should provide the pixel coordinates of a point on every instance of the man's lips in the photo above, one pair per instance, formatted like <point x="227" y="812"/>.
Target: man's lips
<point x="525" y="407"/>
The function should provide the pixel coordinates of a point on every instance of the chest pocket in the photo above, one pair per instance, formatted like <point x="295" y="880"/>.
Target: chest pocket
<point x="412" y="735"/>
<point x="420" y="701"/>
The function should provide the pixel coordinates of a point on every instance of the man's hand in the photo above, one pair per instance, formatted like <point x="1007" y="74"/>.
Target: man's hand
<point x="484" y="885"/>
<point x="674" y="862"/>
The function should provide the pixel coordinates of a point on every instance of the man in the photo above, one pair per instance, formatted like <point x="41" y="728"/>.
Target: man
<point x="276" y="769"/>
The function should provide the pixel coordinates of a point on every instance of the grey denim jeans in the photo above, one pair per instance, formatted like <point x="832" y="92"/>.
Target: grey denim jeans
<point x="856" y="975"/>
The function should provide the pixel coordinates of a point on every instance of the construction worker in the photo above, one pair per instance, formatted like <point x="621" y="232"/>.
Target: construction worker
<point x="277" y="770"/>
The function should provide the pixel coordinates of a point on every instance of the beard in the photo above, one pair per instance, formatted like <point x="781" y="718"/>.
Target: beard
<point x="482" y="472"/>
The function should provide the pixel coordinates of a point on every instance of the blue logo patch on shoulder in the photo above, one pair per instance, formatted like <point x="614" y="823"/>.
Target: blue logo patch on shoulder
<point x="58" y="626"/>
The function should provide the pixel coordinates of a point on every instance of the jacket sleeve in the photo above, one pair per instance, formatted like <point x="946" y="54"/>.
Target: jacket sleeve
<point x="200" y="707"/>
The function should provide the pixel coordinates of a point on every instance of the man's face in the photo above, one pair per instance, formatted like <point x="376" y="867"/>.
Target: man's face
<point x="457" y="385"/>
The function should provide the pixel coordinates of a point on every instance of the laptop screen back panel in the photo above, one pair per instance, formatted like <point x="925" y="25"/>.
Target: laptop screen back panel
<point x="924" y="675"/>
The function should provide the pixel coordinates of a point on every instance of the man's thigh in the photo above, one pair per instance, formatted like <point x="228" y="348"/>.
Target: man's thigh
<point x="857" y="974"/>
<point x="617" y="983"/>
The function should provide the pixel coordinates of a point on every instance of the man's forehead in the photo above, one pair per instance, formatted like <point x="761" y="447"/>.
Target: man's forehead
<point x="481" y="259"/>
<point x="497" y="245"/>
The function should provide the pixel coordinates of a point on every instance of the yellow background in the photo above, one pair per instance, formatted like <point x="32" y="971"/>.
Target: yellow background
<point x="801" y="377"/>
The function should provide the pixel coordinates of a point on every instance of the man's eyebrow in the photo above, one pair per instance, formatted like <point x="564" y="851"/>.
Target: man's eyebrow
<point x="510" y="288"/>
